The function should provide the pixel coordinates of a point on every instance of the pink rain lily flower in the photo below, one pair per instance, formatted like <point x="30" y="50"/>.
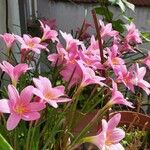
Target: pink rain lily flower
<point x="113" y="59"/>
<point x="146" y="61"/>
<point x="49" y="94"/>
<point x="125" y="77"/>
<point x="51" y="23"/>
<point x="14" y="72"/>
<point x="132" y="34"/>
<point x="71" y="74"/>
<point x="71" y="43"/>
<point x="20" y="107"/>
<point x="106" y="30"/>
<point x="110" y="135"/>
<point x="48" y="33"/>
<point x="117" y="97"/>
<point x="59" y="57"/>
<point x="89" y="76"/>
<point x="134" y="77"/>
<point x="28" y="43"/>
<point x="8" y="39"/>
<point x="138" y="75"/>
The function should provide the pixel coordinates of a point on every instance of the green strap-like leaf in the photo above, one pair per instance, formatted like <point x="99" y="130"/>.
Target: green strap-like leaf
<point x="4" y="145"/>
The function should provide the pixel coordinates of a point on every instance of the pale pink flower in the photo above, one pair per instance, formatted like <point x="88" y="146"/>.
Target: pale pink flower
<point x="8" y="39"/>
<point x="110" y="135"/>
<point x="117" y="97"/>
<point x="72" y="74"/>
<point x="48" y="33"/>
<point x="125" y="77"/>
<point x="113" y="59"/>
<point x="91" y="55"/>
<point x="50" y="22"/>
<point x="106" y="30"/>
<point x="20" y="107"/>
<point x="138" y="75"/>
<point x="147" y="60"/>
<point x="71" y="43"/>
<point x="89" y="76"/>
<point x="59" y="57"/>
<point x="28" y="43"/>
<point x="132" y="35"/>
<point x="14" y="72"/>
<point x="49" y="94"/>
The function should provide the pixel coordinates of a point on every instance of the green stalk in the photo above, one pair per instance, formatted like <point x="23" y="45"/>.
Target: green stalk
<point x="99" y="115"/>
<point x="29" y="136"/>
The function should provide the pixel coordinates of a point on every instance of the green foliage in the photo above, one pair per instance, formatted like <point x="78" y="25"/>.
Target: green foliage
<point x="122" y="4"/>
<point x="4" y="145"/>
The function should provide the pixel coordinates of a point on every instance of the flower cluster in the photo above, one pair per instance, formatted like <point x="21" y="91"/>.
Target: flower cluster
<point x="76" y="65"/>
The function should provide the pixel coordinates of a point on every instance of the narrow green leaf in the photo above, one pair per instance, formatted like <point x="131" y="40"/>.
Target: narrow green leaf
<point x="4" y="145"/>
<point x="129" y="5"/>
<point x="121" y="5"/>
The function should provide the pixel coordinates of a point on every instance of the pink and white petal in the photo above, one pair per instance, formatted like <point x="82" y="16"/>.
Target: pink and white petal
<point x="46" y="83"/>
<point x="104" y="125"/>
<point x="57" y="91"/>
<point x="13" y="121"/>
<point x="36" y="106"/>
<point x="36" y="50"/>
<point x="13" y="94"/>
<point x="116" y="135"/>
<point x="36" y="40"/>
<point x="4" y="106"/>
<point x="53" y="103"/>
<point x="20" y="39"/>
<point x="7" y="67"/>
<point x="116" y="147"/>
<point x="20" y="69"/>
<point x="30" y="116"/>
<point x="38" y="84"/>
<point x="61" y="100"/>
<point x="26" y="38"/>
<point x="114" y="121"/>
<point x="38" y="93"/>
<point x="26" y="94"/>
<point x="99" y="140"/>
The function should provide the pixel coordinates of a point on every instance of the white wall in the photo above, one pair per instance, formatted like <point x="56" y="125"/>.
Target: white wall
<point x="69" y="16"/>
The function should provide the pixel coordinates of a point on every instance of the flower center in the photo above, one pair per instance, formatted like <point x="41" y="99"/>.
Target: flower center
<point x="109" y="139"/>
<point x="49" y="95"/>
<point x="31" y="44"/>
<point x="115" y="61"/>
<point x="19" y="109"/>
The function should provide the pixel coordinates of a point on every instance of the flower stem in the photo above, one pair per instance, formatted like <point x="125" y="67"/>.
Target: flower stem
<point x="99" y="115"/>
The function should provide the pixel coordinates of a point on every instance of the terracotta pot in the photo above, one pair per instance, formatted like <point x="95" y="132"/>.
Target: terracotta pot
<point x="137" y="120"/>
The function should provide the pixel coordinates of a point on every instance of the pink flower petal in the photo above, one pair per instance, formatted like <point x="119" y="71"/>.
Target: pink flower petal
<point x="116" y="135"/>
<point x="114" y="121"/>
<point x="13" y="93"/>
<point x="4" y="106"/>
<point x="13" y="121"/>
<point x="61" y="100"/>
<point x="31" y="116"/>
<point x="20" y="69"/>
<point x="116" y="147"/>
<point x="36" y="106"/>
<point x="53" y="103"/>
<point x="38" y="93"/>
<point x="26" y="94"/>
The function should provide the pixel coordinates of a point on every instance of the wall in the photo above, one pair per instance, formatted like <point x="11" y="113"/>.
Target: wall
<point x="69" y="16"/>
